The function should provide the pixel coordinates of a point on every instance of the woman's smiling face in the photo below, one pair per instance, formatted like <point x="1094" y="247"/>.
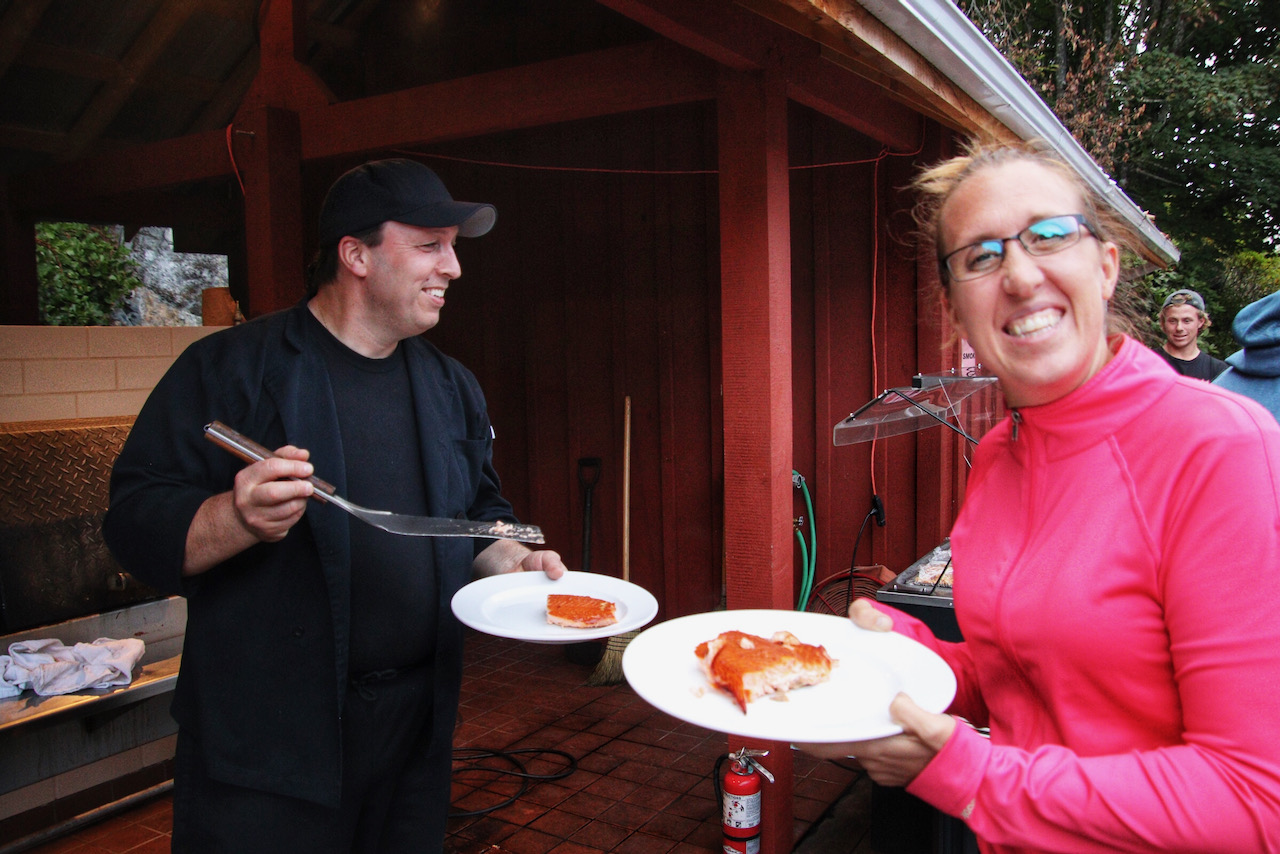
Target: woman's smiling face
<point x="1037" y="322"/>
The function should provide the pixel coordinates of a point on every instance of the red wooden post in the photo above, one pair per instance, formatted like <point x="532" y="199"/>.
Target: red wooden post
<point x="283" y="79"/>
<point x="268" y="154"/>
<point x="266" y="142"/>
<point x="755" y="262"/>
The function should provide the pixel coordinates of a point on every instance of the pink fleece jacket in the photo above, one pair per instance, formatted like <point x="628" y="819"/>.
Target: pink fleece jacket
<point x="1117" y="582"/>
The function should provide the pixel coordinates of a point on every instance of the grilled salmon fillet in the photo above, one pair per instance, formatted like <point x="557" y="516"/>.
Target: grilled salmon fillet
<point x="749" y="666"/>
<point x="580" y="612"/>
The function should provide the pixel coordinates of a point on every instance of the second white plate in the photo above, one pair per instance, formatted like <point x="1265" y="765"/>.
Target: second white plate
<point x="853" y="705"/>
<point x="514" y="605"/>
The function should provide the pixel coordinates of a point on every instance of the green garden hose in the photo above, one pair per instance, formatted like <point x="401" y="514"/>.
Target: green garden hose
<point x="808" y="551"/>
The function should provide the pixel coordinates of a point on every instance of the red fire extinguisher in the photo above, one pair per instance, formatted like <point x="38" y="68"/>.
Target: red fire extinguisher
<point x="740" y="800"/>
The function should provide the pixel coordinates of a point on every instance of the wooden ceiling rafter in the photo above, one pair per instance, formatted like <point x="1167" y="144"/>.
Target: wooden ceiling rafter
<point x="812" y="52"/>
<point x="907" y="95"/>
<point x="31" y="139"/>
<point x="16" y="26"/>
<point x="93" y="66"/>
<point x="833" y="55"/>
<point x="605" y="82"/>
<point x="322" y="33"/>
<point x="69" y="61"/>
<point x="151" y="166"/>
<point x="222" y="106"/>
<point x="677" y="22"/>
<point x="858" y="40"/>
<point x="330" y="36"/>
<point x="283" y="79"/>
<point x="740" y="40"/>
<point x="104" y="107"/>
<point x="823" y="65"/>
<point x="846" y="49"/>
<point x="613" y="80"/>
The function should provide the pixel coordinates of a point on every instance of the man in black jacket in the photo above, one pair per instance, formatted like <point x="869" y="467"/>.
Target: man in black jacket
<point x="322" y="663"/>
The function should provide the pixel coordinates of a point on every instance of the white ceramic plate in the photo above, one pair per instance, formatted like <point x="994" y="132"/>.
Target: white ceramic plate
<point x="853" y="705"/>
<point x="514" y="605"/>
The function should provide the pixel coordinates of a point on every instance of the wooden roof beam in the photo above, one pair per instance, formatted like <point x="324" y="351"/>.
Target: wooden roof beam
<point x="734" y="37"/>
<point x="601" y="83"/>
<point x="283" y="80"/>
<point x="853" y="37"/>
<point x="222" y="106"/>
<point x="607" y="82"/>
<point x="686" y="24"/>
<point x="850" y="100"/>
<point x="16" y="26"/>
<point x="29" y="139"/>
<point x="69" y="61"/>
<point x="168" y="163"/>
<point x="145" y="50"/>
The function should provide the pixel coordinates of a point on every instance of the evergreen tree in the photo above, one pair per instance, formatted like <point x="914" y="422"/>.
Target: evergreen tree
<point x="1177" y="100"/>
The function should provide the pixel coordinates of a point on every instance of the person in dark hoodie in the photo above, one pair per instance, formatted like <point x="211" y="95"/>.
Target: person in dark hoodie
<point x="1255" y="370"/>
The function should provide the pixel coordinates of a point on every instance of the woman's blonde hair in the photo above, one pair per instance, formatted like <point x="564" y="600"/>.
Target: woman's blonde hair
<point x="935" y="185"/>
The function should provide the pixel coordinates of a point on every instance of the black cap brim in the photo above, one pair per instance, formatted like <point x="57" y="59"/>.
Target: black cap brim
<point x="471" y="218"/>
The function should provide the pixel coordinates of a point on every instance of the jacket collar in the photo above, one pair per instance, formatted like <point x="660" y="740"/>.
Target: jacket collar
<point x="1127" y="386"/>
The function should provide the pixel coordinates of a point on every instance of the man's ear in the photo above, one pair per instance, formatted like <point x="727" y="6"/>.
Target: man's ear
<point x="354" y="255"/>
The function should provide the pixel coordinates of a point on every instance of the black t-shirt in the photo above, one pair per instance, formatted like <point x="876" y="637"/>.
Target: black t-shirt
<point x="1202" y="367"/>
<point x="393" y="580"/>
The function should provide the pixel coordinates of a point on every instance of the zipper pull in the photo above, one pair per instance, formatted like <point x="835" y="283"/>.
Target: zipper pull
<point x="1017" y="420"/>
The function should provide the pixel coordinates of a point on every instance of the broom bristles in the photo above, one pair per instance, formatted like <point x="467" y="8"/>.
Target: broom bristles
<point x="609" y="670"/>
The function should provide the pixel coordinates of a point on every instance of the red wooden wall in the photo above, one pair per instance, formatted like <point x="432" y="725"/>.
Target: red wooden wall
<point x="598" y="285"/>
<point x="595" y="286"/>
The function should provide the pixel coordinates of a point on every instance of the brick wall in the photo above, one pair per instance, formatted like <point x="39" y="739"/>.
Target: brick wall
<point x="53" y="372"/>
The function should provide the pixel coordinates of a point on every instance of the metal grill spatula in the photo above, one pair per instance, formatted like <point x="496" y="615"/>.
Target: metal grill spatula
<point x="396" y="523"/>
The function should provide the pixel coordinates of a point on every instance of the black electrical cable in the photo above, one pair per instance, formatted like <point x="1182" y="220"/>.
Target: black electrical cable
<point x="474" y="755"/>
<point x="853" y="559"/>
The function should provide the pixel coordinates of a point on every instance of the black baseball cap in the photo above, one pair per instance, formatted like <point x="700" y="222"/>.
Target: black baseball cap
<point x="397" y="190"/>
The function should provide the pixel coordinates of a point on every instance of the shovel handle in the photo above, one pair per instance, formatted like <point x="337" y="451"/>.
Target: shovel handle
<point x="251" y="452"/>
<point x="588" y="472"/>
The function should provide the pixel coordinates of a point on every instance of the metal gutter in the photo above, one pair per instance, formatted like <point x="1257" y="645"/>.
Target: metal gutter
<point x="943" y="35"/>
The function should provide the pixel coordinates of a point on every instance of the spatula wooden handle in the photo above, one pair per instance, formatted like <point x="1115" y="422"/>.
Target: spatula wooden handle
<point x="251" y="452"/>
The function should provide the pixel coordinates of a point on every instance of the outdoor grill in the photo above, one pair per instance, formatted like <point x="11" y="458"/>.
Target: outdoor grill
<point x="54" y="565"/>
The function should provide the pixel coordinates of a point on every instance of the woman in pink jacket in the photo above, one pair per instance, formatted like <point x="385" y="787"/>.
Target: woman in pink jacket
<point x="1115" y="558"/>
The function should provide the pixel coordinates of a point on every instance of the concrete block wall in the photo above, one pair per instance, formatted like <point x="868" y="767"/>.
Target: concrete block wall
<point x="48" y="373"/>
<point x="53" y="372"/>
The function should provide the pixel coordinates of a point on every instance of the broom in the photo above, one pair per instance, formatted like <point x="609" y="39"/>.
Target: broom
<point x="609" y="670"/>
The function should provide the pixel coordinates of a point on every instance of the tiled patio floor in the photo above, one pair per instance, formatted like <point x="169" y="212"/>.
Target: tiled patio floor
<point x="641" y="782"/>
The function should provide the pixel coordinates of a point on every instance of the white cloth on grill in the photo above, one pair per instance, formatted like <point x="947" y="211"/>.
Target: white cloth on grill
<point x="48" y="667"/>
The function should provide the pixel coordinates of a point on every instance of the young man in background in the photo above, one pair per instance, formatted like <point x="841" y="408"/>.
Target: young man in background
<point x="1182" y="319"/>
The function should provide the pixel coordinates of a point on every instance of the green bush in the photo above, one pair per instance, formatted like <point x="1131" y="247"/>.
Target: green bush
<point x="84" y="273"/>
